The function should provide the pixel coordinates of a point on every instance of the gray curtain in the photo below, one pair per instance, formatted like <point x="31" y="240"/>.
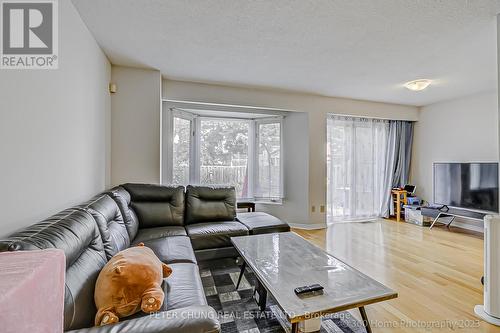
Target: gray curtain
<point x="398" y="159"/>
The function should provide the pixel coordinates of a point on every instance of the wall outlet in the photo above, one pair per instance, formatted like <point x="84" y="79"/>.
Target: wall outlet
<point x="313" y="209"/>
<point x="112" y="88"/>
<point x="322" y="208"/>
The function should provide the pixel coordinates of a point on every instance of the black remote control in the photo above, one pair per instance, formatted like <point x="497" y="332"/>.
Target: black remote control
<point x="308" y="289"/>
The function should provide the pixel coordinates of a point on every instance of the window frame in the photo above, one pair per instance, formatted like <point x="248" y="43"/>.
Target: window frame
<point x="195" y="146"/>
<point x="175" y="113"/>
<point x="257" y="123"/>
<point x="197" y="157"/>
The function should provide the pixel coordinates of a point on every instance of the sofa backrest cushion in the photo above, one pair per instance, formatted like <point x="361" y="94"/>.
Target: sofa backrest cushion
<point x="75" y="232"/>
<point x="210" y="204"/>
<point x="157" y="205"/>
<point x="122" y="199"/>
<point x="114" y="233"/>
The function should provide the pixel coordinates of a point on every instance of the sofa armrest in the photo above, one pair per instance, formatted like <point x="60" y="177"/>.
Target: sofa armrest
<point x="192" y="319"/>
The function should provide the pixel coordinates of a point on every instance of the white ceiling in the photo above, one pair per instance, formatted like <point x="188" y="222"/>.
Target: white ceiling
<point x="363" y="49"/>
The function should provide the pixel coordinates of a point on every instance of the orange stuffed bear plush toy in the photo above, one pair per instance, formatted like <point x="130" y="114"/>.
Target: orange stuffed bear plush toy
<point x="128" y="283"/>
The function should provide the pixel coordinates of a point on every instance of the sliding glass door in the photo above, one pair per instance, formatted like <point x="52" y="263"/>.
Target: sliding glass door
<point x="356" y="159"/>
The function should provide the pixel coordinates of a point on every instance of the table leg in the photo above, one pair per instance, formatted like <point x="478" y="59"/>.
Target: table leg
<point x="451" y="221"/>
<point x="435" y="220"/>
<point x="366" y="323"/>
<point x="295" y="327"/>
<point x="262" y="292"/>
<point x="241" y="273"/>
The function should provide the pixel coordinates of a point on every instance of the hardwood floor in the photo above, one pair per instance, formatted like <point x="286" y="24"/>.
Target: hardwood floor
<point x="436" y="273"/>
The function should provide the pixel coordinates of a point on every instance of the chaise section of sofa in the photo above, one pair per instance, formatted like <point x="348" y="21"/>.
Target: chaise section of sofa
<point x="211" y="221"/>
<point x="262" y="223"/>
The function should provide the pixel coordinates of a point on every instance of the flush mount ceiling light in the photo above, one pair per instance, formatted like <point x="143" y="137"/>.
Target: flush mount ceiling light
<point x="418" y="85"/>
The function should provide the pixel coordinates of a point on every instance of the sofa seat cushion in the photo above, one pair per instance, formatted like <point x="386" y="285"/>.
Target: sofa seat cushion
<point x="174" y="249"/>
<point x="148" y="234"/>
<point x="218" y="253"/>
<point x="193" y="319"/>
<point x="128" y="279"/>
<point x="211" y="235"/>
<point x="183" y="287"/>
<point x="262" y="223"/>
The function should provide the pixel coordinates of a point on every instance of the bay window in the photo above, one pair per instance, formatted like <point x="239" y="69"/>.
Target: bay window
<point x="242" y="152"/>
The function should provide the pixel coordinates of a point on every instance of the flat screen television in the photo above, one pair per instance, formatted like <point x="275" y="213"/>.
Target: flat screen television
<point x="467" y="185"/>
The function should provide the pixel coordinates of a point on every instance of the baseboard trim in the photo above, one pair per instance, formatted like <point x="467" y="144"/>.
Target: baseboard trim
<point x="308" y="226"/>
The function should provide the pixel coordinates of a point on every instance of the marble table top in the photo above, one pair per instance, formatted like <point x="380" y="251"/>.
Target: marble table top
<point x="284" y="261"/>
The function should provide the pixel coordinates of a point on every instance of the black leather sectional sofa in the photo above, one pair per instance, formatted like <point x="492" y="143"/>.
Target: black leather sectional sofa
<point x="181" y="225"/>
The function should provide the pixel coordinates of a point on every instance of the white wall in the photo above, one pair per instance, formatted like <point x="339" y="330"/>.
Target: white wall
<point x="135" y="125"/>
<point x="460" y="130"/>
<point x="312" y="152"/>
<point x="54" y="129"/>
<point x="294" y="209"/>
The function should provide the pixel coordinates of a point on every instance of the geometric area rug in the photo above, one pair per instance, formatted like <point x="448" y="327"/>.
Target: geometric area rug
<point x="238" y="312"/>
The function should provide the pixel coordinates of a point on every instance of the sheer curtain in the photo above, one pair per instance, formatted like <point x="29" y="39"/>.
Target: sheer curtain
<point x="356" y="164"/>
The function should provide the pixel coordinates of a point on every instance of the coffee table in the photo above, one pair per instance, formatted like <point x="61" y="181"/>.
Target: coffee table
<point x="283" y="261"/>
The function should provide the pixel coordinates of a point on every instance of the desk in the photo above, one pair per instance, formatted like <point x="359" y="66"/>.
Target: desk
<point x="250" y="206"/>
<point x="399" y="198"/>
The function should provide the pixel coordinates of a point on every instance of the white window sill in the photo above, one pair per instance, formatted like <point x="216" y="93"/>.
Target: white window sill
<point x="276" y="203"/>
<point x="261" y="201"/>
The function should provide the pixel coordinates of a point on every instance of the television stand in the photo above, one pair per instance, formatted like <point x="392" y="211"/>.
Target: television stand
<point x="438" y="213"/>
